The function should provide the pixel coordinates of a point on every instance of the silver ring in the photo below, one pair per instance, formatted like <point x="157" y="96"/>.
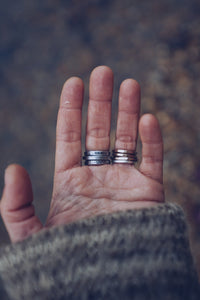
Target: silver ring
<point x="97" y="152"/>
<point x="125" y="159"/>
<point x="123" y="151"/>
<point x="121" y="156"/>
<point x="96" y="157"/>
<point x="96" y="162"/>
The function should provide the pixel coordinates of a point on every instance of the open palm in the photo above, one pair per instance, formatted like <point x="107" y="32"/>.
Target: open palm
<point x="85" y="191"/>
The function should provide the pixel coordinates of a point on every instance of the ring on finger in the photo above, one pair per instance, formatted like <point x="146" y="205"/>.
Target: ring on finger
<point x="96" y="157"/>
<point x="122" y="156"/>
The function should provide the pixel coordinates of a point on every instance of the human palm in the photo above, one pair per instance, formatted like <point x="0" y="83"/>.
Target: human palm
<point x="101" y="189"/>
<point x="86" y="191"/>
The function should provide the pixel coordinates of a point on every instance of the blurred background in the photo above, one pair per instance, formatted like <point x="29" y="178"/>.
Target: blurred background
<point x="157" y="42"/>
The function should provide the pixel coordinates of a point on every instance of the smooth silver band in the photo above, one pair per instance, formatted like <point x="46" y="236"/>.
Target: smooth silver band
<point x="122" y="151"/>
<point x="124" y="155"/>
<point x="125" y="158"/>
<point x="121" y="156"/>
<point x="128" y="162"/>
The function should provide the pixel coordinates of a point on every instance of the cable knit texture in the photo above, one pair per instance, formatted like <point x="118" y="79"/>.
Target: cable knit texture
<point x="140" y="254"/>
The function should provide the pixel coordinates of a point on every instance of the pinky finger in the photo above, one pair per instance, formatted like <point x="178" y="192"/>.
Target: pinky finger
<point x="152" y="147"/>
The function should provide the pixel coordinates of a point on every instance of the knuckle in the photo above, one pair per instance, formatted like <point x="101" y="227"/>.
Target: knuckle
<point x="125" y="138"/>
<point x="98" y="132"/>
<point x="152" y="159"/>
<point x="69" y="136"/>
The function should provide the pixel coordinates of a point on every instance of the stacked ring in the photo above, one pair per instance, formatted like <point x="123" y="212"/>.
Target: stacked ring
<point x="96" y="157"/>
<point x="121" y="156"/>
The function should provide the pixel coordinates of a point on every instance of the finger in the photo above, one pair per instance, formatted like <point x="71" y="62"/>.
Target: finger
<point x="128" y="115"/>
<point x="152" y="147"/>
<point x="16" y="204"/>
<point x="99" y="109"/>
<point x="68" y="132"/>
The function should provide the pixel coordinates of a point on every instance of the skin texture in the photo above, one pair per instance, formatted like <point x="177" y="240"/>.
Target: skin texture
<point x="85" y="191"/>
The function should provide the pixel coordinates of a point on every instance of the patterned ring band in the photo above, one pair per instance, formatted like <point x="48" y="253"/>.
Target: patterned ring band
<point x="96" y="157"/>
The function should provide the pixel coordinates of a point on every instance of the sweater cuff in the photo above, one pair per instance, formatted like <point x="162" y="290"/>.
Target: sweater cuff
<point x="136" y="254"/>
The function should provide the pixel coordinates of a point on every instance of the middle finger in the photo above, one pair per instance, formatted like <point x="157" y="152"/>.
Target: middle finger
<point x="99" y="109"/>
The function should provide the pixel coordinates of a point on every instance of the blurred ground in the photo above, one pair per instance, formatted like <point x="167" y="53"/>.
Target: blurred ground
<point x="157" y="42"/>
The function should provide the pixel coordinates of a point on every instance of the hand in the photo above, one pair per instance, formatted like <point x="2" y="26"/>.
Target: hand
<point x="85" y="191"/>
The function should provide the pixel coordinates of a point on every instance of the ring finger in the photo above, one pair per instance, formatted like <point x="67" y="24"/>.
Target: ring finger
<point x="128" y="115"/>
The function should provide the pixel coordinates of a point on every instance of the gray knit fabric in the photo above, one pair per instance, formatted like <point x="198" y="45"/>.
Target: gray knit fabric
<point x="141" y="254"/>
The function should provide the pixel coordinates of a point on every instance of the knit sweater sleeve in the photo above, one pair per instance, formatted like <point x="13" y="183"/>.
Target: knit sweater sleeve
<point x="138" y="254"/>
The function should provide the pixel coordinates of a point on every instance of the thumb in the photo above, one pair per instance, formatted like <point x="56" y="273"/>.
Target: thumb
<point x="16" y="207"/>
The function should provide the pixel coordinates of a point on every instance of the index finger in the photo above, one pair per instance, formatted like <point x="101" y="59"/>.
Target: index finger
<point x="68" y="131"/>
